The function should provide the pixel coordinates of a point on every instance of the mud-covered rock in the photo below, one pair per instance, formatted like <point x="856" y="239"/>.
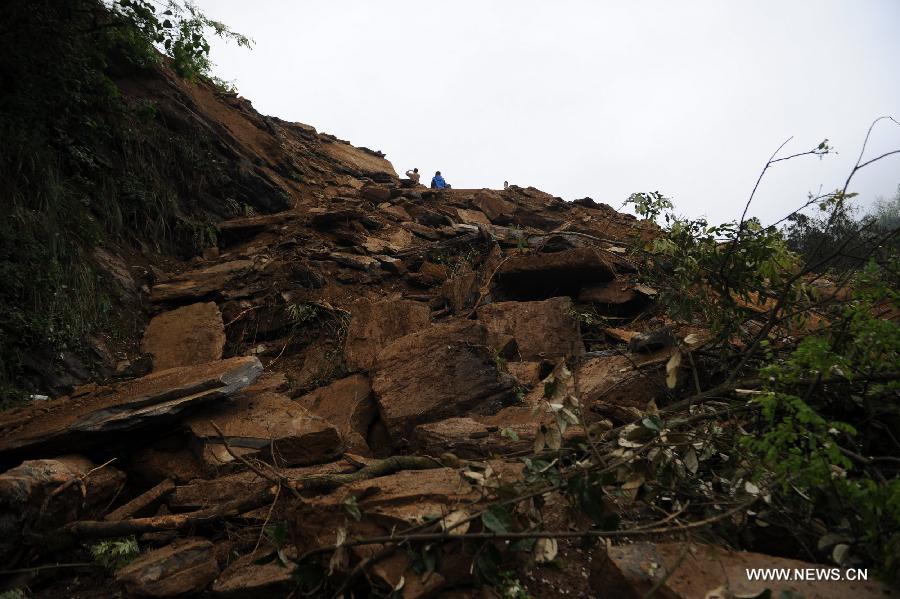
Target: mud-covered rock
<point x="443" y="371"/>
<point x="269" y="426"/>
<point x="40" y="495"/>
<point x="89" y="418"/>
<point x="546" y="329"/>
<point x="185" y="336"/>
<point x="186" y="566"/>
<point x="346" y="403"/>
<point x="376" y="324"/>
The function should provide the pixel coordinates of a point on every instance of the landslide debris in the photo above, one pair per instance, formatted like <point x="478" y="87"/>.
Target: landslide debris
<point x="373" y="362"/>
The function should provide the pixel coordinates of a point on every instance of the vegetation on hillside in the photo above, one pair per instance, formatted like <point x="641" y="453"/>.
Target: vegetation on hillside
<point x="80" y="166"/>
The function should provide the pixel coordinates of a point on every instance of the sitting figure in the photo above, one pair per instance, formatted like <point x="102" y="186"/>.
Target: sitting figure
<point x="413" y="176"/>
<point x="437" y="182"/>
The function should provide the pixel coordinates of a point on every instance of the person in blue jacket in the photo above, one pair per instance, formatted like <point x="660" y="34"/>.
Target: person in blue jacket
<point x="437" y="182"/>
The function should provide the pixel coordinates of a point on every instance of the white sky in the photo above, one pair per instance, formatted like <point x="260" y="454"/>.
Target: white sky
<point x="588" y="98"/>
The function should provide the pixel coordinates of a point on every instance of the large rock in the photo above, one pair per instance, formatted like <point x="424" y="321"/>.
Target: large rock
<point x="199" y="283"/>
<point x="376" y="324"/>
<point x="347" y="403"/>
<point x="269" y="426"/>
<point x="185" y="336"/>
<point x="544" y="329"/>
<point x="185" y="566"/>
<point x="614" y="386"/>
<point x="28" y="502"/>
<point x="539" y="275"/>
<point x="631" y="571"/>
<point x="440" y="372"/>
<point x="495" y="208"/>
<point x="89" y="418"/>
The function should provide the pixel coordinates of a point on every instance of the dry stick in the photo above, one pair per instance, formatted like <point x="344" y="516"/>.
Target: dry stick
<point x="79" y="480"/>
<point x="262" y="531"/>
<point x="505" y="536"/>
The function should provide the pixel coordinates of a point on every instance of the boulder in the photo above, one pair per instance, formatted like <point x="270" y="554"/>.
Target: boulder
<point x="347" y="403"/>
<point x="428" y="275"/>
<point x="376" y="324"/>
<point x="185" y="336"/>
<point x="439" y="372"/>
<point x="199" y="283"/>
<point x="375" y="193"/>
<point x="460" y="291"/>
<point x="631" y="571"/>
<point x="494" y="207"/>
<point x="87" y="419"/>
<point x="472" y="217"/>
<point x="537" y="275"/>
<point x="268" y="426"/>
<point x="185" y="566"/>
<point x="607" y="384"/>
<point x="45" y="494"/>
<point x="544" y="329"/>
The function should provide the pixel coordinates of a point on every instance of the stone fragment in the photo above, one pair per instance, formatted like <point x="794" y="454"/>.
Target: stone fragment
<point x="354" y="261"/>
<point x="436" y="373"/>
<point x="268" y="426"/>
<point x="494" y="207"/>
<point x="185" y="566"/>
<point x="631" y="571"/>
<point x="376" y="193"/>
<point x="460" y="291"/>
<point x="545" y="329"/>
<point x="347" y="403"/>
<point x="90" y="418"/>
<point x="198" y="283"/>
<point x="185" y="336"/>
<point x="41" y="495"/>
<point x="472" y="216"/>
<point x="376" y="324"/>
<point x="428" y="275"/>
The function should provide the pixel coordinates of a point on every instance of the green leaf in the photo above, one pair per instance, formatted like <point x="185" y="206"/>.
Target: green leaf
<point x="497" y="519"/>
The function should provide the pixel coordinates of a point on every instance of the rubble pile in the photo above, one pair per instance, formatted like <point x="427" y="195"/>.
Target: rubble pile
<point x="373" y="359"/>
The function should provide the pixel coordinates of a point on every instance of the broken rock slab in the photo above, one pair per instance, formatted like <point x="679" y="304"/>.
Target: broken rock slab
<point x="199" y="283"/>
<point x="87" y="419"/>
<point x="268" y="426"/>
<point x="440" y="372"/>
<point x="546" y="329"/>
<point x="631" y="571"/>
<point x="347" y="403"/>
<point x="28" y="503"/>
<point x="187" y="566"/>
<point x="185" y="336"/>
<point x="609" y="384"/>
<point x="376" y="324"/>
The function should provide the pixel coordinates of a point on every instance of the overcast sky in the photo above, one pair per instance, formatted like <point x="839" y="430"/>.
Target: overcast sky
<point x="588" y="98"/>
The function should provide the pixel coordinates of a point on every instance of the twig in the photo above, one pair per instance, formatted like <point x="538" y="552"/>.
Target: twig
<point x="262" y="531"/>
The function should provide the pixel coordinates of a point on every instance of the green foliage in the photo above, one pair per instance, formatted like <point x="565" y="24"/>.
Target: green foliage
<point x="13" y="594"/>
<point x="180" y="29"/>
<point x="81" y="166"/>
<point x="115" y="553"/>
<point x="825" y="386"/>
